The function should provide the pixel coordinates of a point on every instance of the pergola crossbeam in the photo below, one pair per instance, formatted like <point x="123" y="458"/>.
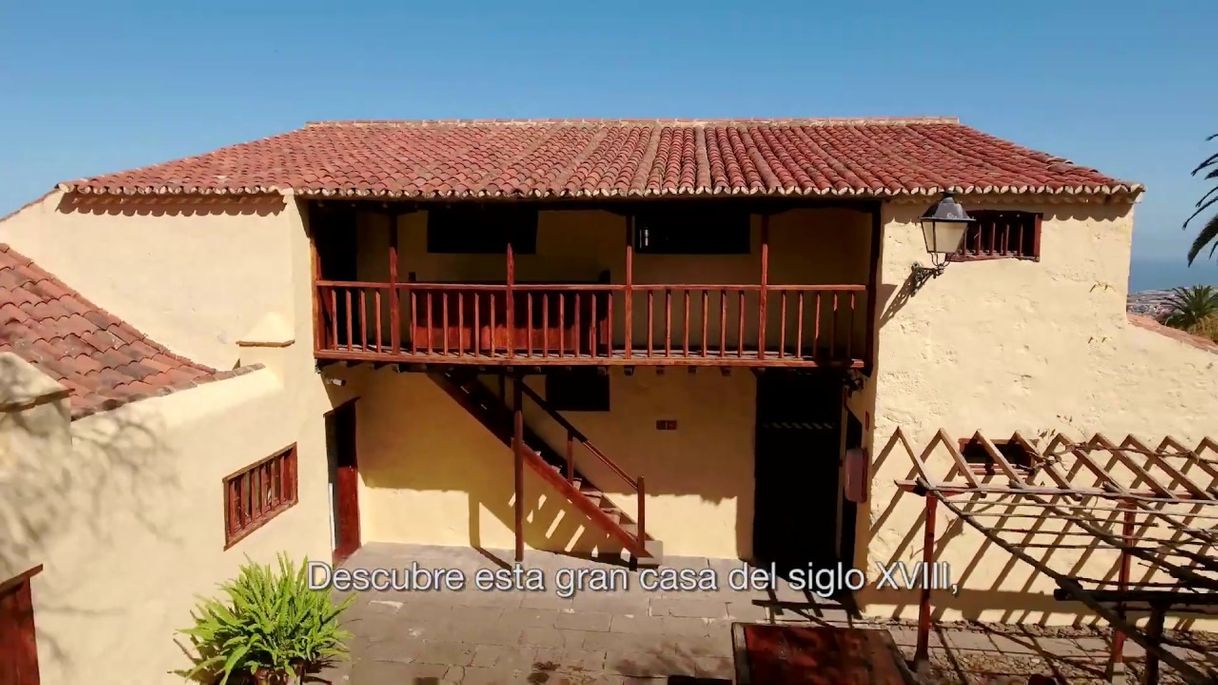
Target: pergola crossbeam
<point x="1180" y="568"/>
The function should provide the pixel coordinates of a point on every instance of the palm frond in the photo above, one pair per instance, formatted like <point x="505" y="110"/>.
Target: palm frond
<point x="1202" y="206"/>
<point x="1207" y="236"/>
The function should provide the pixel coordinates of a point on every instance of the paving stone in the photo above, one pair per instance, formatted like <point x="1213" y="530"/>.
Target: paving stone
<point x="635" y="603"/>
<point x="529" y="618"/>
<point x="1064" y="647"/>
<point x="968" y="640"/>
<point x="715" y="667"/>
<point x="544" y="600"/>
<point x="552" y="637"/>
<point x="377" y="672"/>
<point x="617" y="641"/>
<point x="522" y="658"/>
<point x="746" y="611"/>
<point x="447" y="653"/>
<point x="1016" y="645"/>
<point x="636" y="624"/>
<point x="688" y="608"/>
<point x="491" y="676"/>
<point x="485" y="656"/>
<point x="572" y="659"/>
<point x="583" y="621"/>
<point x="502" y="633"/>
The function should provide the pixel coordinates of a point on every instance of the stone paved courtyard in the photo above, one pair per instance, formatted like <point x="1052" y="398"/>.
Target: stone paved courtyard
<point x="633" y="635"/>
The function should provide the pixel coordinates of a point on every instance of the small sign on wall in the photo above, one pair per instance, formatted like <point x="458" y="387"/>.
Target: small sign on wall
<point x="666" y="424"/>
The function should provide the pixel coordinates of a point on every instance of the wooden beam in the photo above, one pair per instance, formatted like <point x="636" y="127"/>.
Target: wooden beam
<point x="510" y="324"/>
<point x="315" y="257"/>
<point x="518" y="448"/>
<point x="628" y="308"/>
<point x="765" y="279"/>
<point x="873" y="286"/>
<point x="395" y="299"/>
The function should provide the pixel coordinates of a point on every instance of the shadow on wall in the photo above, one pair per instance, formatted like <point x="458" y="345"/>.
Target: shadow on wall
<point x="69" y="490"/>
<point x="991" y="581"/>
<point x="141" y="205"/>
<point x="417" y="445"/>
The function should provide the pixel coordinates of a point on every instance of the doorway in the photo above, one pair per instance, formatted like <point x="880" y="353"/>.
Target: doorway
<point x="341" y="454"/>
<point x="798" y="447"/>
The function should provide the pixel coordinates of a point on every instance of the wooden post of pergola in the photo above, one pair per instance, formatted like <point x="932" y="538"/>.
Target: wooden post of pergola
<point x="1177" y="518"/>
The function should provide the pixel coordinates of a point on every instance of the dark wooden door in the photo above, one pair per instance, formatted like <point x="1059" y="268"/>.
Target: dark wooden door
<point x="797" y="457"/>
<point x="344" y="479"/>
<point x="18" y="649"/>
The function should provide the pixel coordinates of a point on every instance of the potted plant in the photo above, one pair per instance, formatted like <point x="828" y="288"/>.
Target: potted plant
<point x="270" y="628"/>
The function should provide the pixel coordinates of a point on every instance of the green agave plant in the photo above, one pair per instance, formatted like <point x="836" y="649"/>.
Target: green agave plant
<point x="272" y="628"/>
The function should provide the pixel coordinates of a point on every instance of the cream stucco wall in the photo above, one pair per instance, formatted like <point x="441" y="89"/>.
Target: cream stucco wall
<point x="194" y="274"/>
<point x="432" y="474"/>
<point x="1003" y="346"/>
<point x="124" y="508"/>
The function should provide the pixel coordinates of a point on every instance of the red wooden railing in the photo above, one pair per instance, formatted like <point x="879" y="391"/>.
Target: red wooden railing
<point x="593" y="323"/>
<point x="574" y="435"/>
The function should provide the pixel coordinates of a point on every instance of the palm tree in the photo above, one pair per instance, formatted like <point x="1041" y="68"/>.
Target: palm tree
<point x="1209" y="232"/>
<point x="1191" y="306"/>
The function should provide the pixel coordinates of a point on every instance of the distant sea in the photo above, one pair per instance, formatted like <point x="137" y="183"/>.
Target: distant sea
<point x="1161" y="274"/>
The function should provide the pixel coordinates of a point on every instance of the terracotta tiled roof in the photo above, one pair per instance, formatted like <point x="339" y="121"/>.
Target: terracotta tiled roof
<point x="597" y="158"/>
<point x="102" y="360"/>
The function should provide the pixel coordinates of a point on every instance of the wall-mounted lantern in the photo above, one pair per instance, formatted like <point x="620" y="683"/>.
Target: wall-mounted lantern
<point x="943" y="227"/>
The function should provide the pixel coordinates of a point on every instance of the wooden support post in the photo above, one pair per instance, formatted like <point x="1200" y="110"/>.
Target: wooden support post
<point x="922" y="652"/>
<point x="395" y="316"/>
<point x="1154" y="631"/>
<point x="510" y="324"/>
<point x="1116" y="661"/>
<point x="765" y="279"/>
<point x="518" y="448"/>
<point x="318" y="322"/>
<point x="873" y="285"/>
<point x="628" y="305"/>
<point x="642" y="514"/>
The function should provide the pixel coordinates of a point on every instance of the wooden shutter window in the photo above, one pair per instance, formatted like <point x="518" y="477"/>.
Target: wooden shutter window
<point x="258" y="493"/>
<point x="1001" y="234"/>
<point x="18" y="645"/>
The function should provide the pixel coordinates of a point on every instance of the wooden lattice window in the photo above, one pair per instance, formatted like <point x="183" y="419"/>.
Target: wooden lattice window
<point x="1001" y="234"/>
<point x="258" y="493"/>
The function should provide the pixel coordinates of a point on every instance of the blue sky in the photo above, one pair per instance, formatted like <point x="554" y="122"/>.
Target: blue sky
<point x="1125" y="87"/>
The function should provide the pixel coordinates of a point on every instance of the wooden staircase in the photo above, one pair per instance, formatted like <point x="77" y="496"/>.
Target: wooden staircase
<point x="558" y="469"/>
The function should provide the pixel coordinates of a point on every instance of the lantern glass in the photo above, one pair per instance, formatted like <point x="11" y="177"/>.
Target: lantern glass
<point x="944" y="225"/>
<point x="943" y="237"/>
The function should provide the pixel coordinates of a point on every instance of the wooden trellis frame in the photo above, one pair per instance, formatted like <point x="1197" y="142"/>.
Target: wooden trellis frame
<point x="1171" y="490"/>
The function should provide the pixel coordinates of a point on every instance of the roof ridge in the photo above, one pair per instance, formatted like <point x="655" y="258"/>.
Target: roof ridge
<point x="804" y="121"/>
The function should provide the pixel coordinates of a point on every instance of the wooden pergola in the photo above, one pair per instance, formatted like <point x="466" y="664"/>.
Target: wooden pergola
<point x="1084" y="514"/>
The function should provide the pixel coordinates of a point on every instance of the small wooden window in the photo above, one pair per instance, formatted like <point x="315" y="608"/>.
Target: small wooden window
<point x="18" y="645"/>
<point x="481" y="229"/>
<point x="582" y="389"/>
<point x="258" y="493"/>
<point x="692" y="231"/>
<point x="1014" y="452"/>
<point x="1001" y="235"/>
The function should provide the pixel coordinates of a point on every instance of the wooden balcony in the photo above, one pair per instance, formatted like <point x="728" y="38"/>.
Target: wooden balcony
<point x="593" y="324"/>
